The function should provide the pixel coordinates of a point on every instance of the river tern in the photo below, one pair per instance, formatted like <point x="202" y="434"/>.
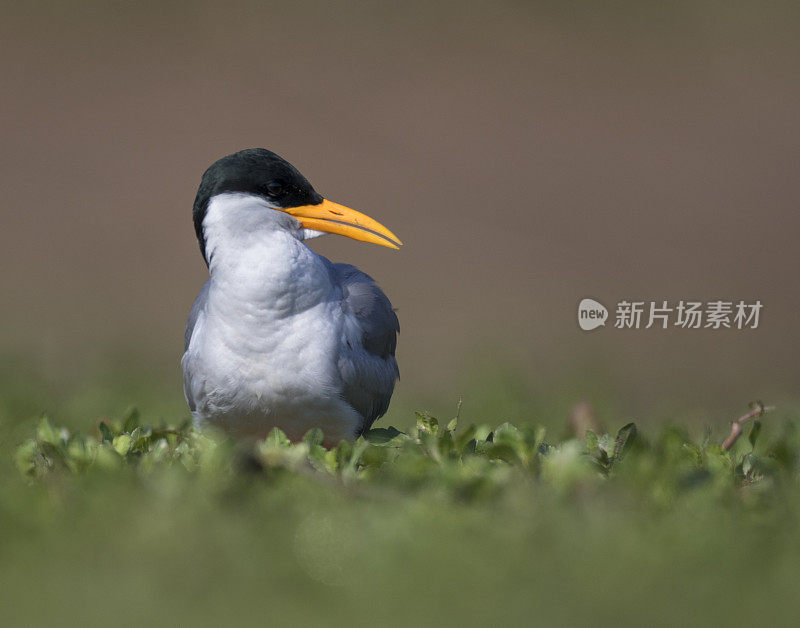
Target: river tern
<point x="279" y="336"/>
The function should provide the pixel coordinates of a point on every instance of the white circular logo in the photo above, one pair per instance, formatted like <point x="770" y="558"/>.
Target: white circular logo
<point x="591" y="314"/>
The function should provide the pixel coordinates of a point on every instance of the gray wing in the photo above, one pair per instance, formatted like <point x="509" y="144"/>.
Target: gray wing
<point x="197" y="307"/>
<point x="367" y="363"/>
<point x="188" y="364"/>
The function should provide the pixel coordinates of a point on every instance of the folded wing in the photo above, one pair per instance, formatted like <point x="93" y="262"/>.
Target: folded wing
<point x="366" y="363"/>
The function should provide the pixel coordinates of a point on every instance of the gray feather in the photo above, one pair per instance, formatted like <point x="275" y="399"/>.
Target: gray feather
<point x="367" y="363"/>
<point x="197" y="307"/>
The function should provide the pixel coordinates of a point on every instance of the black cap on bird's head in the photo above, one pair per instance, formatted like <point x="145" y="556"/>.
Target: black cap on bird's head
<point x="261" y="172"/>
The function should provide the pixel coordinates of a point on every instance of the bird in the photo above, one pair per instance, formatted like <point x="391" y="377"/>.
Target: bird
<point x="279" y="336"/>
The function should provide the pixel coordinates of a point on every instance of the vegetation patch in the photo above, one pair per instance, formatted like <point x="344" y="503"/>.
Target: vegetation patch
<point x="474" y="462"/>
<point x="442" y="524"/>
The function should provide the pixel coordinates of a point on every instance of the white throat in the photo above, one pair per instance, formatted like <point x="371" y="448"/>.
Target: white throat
<point x="258" y="261"/>
<point x="235" y="222"/>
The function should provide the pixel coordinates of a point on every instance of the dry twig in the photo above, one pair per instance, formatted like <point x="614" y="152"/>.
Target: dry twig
<point x="759" y="410"/>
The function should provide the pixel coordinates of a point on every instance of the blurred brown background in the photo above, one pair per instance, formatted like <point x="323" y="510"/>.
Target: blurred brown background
<point x="528" y="153"/>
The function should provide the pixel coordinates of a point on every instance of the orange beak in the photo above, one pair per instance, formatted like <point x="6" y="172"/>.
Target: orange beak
<point x="334" y="218"/>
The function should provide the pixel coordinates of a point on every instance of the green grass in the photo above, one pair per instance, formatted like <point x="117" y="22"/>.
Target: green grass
<point x="447" y="523"/>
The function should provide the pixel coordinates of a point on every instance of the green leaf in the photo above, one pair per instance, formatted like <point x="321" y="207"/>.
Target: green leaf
<point x="592" y="442"/>
<point x="374" y="456"/>
<point x="754" y="432"/>
<point x="624" y="440"/>
<point x="24" y="457"/>
<point x="427" y="423"/>
<point x="538" y="438"/>
<point x="80" y="452"/>
<point x="122" y="444"/>
<point x="314" y="437"/>
<point x="502" y="451"/>
<point x="383" y="435"/>
<point x="131" y="420"/>
<point x="482" y="432"/>
<point x="431" y="444"/>
<point x="446" y="445"/>
<point x="105" y="432"/>
<point x="451" y="426"/>
<point x="344" y="452"/>
<point x="606" y="443"/>
<point x="747" y="464"/>
<point x="318" y="456"/>
<point x="276" y="438"/>
<point x="46" y="433"/>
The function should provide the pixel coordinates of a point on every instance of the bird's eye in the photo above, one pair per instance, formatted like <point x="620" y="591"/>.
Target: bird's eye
<point x="274" y="188"/>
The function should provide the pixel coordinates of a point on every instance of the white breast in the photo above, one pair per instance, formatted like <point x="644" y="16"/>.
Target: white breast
<point x="265" y="348"/>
